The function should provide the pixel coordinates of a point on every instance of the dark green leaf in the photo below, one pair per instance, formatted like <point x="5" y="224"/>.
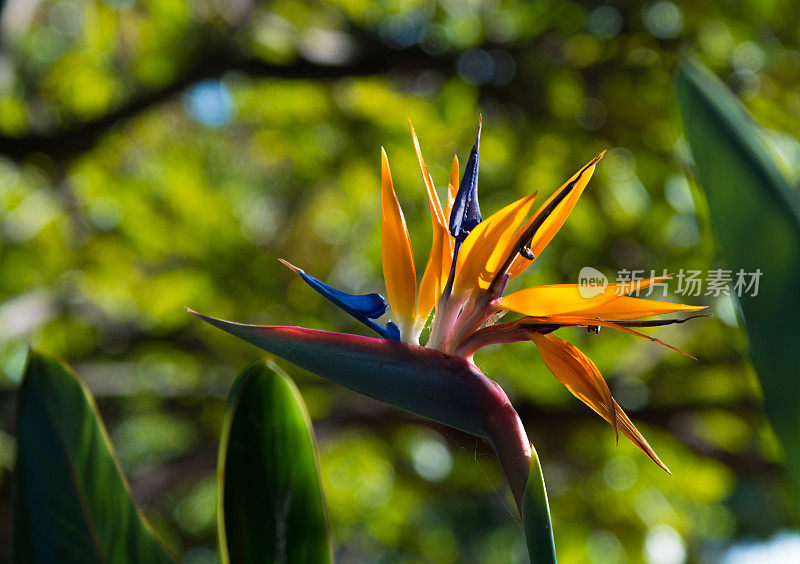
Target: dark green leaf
<point x="756" y="217"/>
<point x="71" y="503"/>
<point x="271" y="507"/>
<point x="536" y="516"/>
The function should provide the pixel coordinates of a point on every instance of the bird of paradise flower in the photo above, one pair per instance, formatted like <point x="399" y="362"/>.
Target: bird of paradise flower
<point x="461" y="292"/>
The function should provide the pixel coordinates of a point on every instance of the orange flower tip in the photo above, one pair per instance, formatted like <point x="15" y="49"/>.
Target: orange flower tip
<point x="413" y="134"/>
<point x="661" y="465"/>
<point x="290" y="266"/>
<point x="676" y="349"/>
<point x="594" y="160"/>
<point x="532" y="196"/>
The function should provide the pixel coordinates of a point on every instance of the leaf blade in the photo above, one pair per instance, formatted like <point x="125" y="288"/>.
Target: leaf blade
<point x="756" y="217"/>
<point x="71" y="502"/>
<point x="536" y="516"/>
<point x="270" y="500"/>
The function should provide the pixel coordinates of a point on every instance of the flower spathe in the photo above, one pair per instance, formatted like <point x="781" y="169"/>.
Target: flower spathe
<point x="461" y="294"/>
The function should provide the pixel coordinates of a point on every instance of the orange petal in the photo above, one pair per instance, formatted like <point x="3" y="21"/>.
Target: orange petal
<point x="434" y="278"/>
<point x="556" y="299"/>
<point x="625" y="307"/>
<point x="553" y="223"/>
<point x="566" y="299"/>
<point x="568" y="320"/>
<point x="437" y="214"/>
<point x="452" y="188"/>
<point x="441" y="255"/>
<point x="398" y="258"/>
<point x="629" y="430"/>
<point x="581" y="377"/>
<point x="487" y="246"/>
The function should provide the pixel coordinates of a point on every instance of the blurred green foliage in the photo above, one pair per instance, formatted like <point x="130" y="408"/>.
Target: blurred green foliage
<point x="131" y="188"/>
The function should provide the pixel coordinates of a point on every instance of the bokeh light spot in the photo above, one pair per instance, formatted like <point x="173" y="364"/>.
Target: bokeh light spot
<point x="664" y="545"/>
<point x="783" y="547"/>
<point x="603" y="547"/>
<point x="476" y="66"/>
<point x="210" y="102"/>
<point x="431" y="459"/>
<point x="620" y="473"/>
<point x="663" y="19"/>
<point x="605" y="22"/>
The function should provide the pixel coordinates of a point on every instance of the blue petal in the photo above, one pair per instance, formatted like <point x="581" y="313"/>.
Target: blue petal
<point x="466" y="213"/>
<point x="392" y="331"/>
<point x="364" y="307"/>
<point x="367" y="305"/>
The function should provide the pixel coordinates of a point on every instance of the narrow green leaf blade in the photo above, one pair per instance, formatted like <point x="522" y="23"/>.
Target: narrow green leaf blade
<point x="536" y="516"/>
<point x="756" y="217"/>
<point x="71" y="502"/>
<point x="271" y="507"/>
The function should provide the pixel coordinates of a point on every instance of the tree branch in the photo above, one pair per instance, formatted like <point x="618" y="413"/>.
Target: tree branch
<point x="373" y="58"/>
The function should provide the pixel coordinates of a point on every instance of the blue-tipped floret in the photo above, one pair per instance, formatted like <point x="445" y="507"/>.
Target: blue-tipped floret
<point x="466" y="213"/>
<point x="364" y="307"/>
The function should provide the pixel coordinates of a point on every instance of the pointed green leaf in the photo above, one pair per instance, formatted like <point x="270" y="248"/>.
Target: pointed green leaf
<point x="71" y="503"/>
<point x="270" y="503"/>
<point x="756" y="217"/>
<point x="536" y="516"/>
